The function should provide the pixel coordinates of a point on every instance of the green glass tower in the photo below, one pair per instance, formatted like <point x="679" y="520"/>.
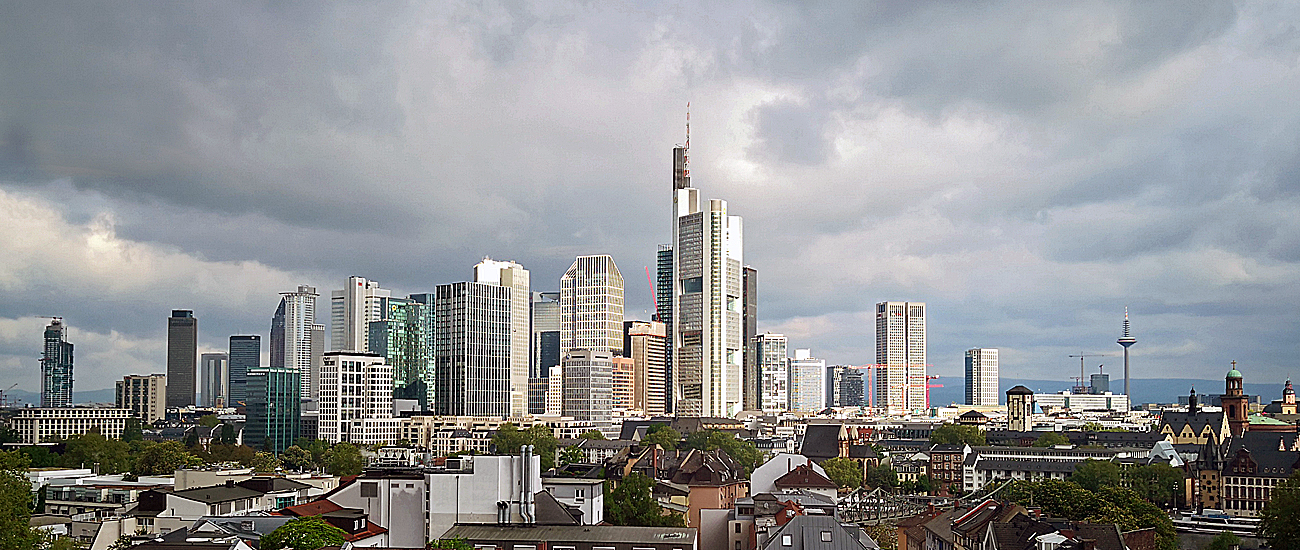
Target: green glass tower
<point x="404" y="336"/>
<point x="273" y="410"/>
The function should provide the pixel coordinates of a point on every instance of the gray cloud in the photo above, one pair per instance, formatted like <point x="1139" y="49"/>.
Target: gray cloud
<point x="1027" y="170"/>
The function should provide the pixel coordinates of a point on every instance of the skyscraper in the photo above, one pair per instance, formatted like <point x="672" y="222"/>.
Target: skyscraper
<point x="214" y="371"/>
<point x="514" y="277"/>
<point x="144" y="395"/>
<point x="591" y="306"/>
<point x="351" y="311"/>
<point x="752" y="376"/>
<point x="646" y="344"/>
<point x="405" y="339"/>
<point x="273" y="409"/>
<point x="182" y="356"/>
<point x="900" y="348"/>
<point x="545" y="311"/>
<point x="472" y="350"/>
<point x="245" y="353"/>
<point x="773" y="362"/>
<point x="707" y="300"/>
<point x="56" y="366"/>
<point x="982" y="376"/>
<point x="291" y="336"/>
<point x="807" y="382"/>
<point x="664" y="311"/>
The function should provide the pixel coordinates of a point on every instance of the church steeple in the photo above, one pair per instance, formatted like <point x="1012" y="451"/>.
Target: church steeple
<point x="1234" y="402"/>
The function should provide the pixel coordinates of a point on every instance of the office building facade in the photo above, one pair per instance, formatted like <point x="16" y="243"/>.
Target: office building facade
<point x="182" y="357"/>
<point x="982" y="376"/>
<point x="245" y="353"/>
<point x="292" y="329"/>
<point x="514" y="277"/>
<point x="591" y="306"/>
<point x="622" y="383"/>
<point x="646" y="344"/>
<point x="900" y="352"/>
<point x="145" y="396"/>
<point x="352" y="309"/>
<point x="545" y="318"/>
<point x="707" y="301"/>
<point x="56" y="366"/>
<point x="472" y="350"/>
<point x="664" y="311"/>
<point x="214" y="371"/>
<point x="44" y="424"/>
<point x="807" y="382"/>
<point x="773" y="361"/>
<point x="752" y="376"/>
<point x="273" y="409"/>
<point x="404" y="337"/>
<point x="588" y="385"/>
<point x="356" y="399"/>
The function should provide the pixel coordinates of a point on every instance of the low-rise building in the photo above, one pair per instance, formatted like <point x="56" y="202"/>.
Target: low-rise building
<point x="585" y="537"/>
<point x="584" y="496"/>
<point x="40" y="424"/>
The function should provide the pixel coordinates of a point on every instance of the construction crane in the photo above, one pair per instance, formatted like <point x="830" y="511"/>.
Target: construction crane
<point x="870" y="381"/>
<point x="4" y="400"/>
<point x="1080" y="388"/>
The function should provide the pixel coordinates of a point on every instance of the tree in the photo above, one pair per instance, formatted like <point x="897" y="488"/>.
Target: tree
<point x="228" y="434"/>
<point x="15" y="501"/>
<point x="297" y="458"/>
<point x="953" y="434"/>
<point x="632" y="503"/>
<point x="744" y="452"/>
<point x="265" y="462"/>
<point x="1225" y="541"/>
<point x="1051" y="439"/>
<point x="1095" y="474"/>
<point x="134" y="430"/>
<point x="592" y="434"/>
<point x="209" y="421"/>
<point x="1110" y="504"/>
<point x="449" y="544"/>
<point x="163" y="459"/>
<point x="1280" y="520"/>
<point x="305" y="533"/>
<point x="90" y="448"/>
<point x="41" y="457"/>
<point x="845" y="473"/>
<point x="509" y="439"/>
<point x="317" y="448"/>
<point x="344" y="459"/>
<point x="1158" y="483"/>
<point x="222" y="452"/>
<point x="882" y="476"/>
<point x="571" y="455"/>
<point x="662" y="435"/>
<point x="924" y="484"/>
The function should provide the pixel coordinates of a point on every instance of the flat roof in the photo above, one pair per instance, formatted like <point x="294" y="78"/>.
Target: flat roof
<point x="572" y="533"/>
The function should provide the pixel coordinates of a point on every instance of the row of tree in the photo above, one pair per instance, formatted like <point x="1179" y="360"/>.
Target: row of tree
<point x="509" y="439"/>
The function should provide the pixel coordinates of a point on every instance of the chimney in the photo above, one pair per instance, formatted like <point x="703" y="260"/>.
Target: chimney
<point x="230" y="483"/>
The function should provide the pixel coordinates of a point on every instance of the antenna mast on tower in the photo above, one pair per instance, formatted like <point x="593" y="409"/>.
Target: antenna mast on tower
<point x="686" y="156"/>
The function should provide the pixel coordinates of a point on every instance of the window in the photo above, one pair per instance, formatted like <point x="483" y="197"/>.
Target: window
<point x="787" y="540"/>
<point x="737" y="527"/>
<point x="369" y="489"/>
<point x="826" y="536"/>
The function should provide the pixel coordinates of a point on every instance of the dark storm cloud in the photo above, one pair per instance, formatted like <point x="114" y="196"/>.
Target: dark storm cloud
<point x="1026" y="169"/>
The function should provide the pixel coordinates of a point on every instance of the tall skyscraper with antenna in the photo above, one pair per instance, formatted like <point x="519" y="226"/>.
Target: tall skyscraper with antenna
<point x="1126" y="340"/>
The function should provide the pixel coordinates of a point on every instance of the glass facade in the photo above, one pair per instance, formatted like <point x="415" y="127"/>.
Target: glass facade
<point x="273" y="409"/>
<point x="245" y="354"/>
<point x="405" y="339"/>
<point x="56" y="367"/>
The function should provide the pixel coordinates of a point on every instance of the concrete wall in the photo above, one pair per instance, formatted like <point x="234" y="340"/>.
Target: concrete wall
<point x="473" y="497"/>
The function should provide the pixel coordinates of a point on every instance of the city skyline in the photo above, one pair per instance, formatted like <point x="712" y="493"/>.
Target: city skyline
<point x="1150" y="164"/>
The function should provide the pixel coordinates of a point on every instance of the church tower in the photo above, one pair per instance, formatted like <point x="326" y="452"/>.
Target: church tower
<point x="1234" y="402"/>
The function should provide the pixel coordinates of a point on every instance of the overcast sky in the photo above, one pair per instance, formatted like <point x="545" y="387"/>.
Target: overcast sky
<point x="1026" y="169"/>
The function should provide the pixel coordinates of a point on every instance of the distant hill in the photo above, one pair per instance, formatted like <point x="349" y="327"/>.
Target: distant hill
<point x="1145" y="390"/>
<point x="25" y="397"/>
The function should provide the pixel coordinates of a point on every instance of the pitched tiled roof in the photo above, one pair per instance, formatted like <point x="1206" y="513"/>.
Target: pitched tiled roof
<point x="803" y="476"/>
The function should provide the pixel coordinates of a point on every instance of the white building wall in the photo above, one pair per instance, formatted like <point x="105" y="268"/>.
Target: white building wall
<point x="516" y="278"/>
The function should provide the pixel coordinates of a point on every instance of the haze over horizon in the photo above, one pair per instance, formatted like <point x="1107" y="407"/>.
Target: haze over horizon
<point x="1026" y="171"/>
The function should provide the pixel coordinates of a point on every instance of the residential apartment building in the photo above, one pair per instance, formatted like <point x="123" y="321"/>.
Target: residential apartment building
<point x="144" y="395"/>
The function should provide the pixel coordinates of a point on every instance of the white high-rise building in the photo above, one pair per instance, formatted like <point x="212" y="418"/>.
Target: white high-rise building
<point x="299" y="321"/>
<point x="472" y="350"/>
<point x="982" y="376"/>
<point x="513" y="276"/>
<point x="591" y="306"/>
<point x="587" y="385"/>
<point x="900" y="349"/>
<point x="807" y="382"/>
<point x="356" y="399"/>
<point x="707" y="306"/>
<point x="351" y="311"/>
<point x="214" y="379"/>
<point x="773" y="364"/>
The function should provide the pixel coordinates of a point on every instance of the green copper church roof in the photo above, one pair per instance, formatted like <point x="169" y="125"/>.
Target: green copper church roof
<point x="1234" y="373"/>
